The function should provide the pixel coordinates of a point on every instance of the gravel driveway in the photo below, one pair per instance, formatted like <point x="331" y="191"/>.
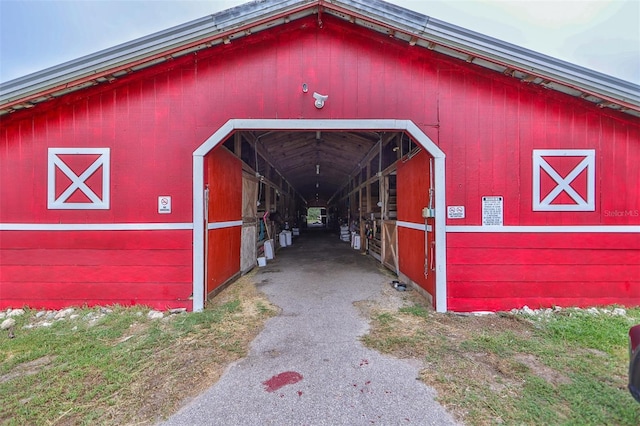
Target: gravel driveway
<point x="308" y="367"/>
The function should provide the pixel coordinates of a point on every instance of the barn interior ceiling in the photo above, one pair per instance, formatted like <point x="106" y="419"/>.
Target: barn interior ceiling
<point x="318" y="164"/>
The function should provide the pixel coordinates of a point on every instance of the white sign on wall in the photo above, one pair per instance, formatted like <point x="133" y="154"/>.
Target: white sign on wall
<point x="587" y="165"/>
<point x="492" y="211"/>
<point x="164" y="204"/>
<point x="455" y="212"/>
<point x="62" y="175"/>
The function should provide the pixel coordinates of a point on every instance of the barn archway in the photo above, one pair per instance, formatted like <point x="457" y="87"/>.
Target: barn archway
<point x="433" y="224"/>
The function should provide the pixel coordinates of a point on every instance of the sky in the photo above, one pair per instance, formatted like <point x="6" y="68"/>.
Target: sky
<point x="603" y="35"/>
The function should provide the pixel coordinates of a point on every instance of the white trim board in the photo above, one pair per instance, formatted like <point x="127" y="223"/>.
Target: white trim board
<point x="310" y="125"/>
<point x="222" y="225"/>
<point x="95" y="226"/>
<point x="302" y="124"/>
<point x="416" y="226"/>
<point x="545" y="229"/>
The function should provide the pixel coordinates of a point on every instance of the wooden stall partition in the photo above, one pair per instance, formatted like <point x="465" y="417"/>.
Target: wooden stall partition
<point x="249" y="222"/>
<point x="390" y="245"/>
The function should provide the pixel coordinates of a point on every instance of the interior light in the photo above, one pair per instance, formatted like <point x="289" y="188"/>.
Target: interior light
<point x="317" y="169"/>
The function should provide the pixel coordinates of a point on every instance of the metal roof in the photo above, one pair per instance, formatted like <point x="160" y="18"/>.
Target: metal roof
<point x="414" y="28"/>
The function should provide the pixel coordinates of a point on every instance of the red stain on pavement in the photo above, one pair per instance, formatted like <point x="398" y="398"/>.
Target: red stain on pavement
<point x="282" y="379"/>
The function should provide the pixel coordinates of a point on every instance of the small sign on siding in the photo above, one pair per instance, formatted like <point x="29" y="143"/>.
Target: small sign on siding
<point x="164" y="204"/>
<point x="492" y="211"/>
<point x="455" y="212"/>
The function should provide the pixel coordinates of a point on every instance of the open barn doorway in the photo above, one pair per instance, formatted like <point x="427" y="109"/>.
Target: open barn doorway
<point x="349" y="168"/>
<point x="316" y="217"/>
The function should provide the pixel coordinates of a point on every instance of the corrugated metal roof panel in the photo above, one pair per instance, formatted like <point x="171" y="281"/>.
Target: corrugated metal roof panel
<point x="536" y="63"/>
<point x="146" y="47"/>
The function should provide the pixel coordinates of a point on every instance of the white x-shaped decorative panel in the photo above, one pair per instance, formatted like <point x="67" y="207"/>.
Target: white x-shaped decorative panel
<point x="563" y="184"/>
<point x="78" y="182"/>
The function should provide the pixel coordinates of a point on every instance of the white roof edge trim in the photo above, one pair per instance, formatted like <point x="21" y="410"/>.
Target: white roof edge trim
<point x="453" y="36"/>
<point x="146" y="46"/>
<point x="538" y="63"/>
<point x="377" y="11"/>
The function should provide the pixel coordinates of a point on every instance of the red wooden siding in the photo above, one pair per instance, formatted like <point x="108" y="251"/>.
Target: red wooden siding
<point x="224" y="176"/>
<point x="502" y="271"/>
<point x="145" y="162"/>
<point x="486" y="123"/>
<point x="52" y="269"/>
<point x="223" y="256"/>
<point x="489" y="130"/>
<point x="413" y="196"/>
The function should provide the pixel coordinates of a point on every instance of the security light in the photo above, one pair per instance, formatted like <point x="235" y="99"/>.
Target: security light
<point x="320" y="99"/>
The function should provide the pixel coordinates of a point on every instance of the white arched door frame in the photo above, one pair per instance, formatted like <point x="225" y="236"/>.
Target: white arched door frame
<point x="300" y="125"/>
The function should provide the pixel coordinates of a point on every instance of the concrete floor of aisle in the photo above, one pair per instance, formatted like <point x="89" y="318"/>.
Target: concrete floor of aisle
<point x="308" y="366"/>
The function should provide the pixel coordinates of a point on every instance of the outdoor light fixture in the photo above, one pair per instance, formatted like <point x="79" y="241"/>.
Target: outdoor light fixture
<point x="320" y="99"/>
<point x="305" y="88"/>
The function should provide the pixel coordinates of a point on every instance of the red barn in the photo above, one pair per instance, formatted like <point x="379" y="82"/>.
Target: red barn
<point x="488" y="175"/>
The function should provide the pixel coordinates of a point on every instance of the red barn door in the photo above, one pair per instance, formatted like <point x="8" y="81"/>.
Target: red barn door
<point x="416" y="233"/>
<point x="224" y="217"/>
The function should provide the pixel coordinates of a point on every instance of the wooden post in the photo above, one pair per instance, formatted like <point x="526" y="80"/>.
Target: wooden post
<point x="368" y="189"/>
<point x="237" y="144"/>
<point x="267" y="197"/>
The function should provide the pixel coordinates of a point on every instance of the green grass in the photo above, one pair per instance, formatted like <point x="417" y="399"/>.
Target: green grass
<point x="416" y="310"/>
<point x="110" y="370"/>
<point x="602" y="332"/>
<point x="568" y="368"/>
<point x="77" y="357"/>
